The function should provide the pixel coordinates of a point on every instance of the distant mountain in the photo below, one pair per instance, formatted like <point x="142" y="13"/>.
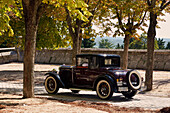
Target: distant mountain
<point x="119" y="40"/>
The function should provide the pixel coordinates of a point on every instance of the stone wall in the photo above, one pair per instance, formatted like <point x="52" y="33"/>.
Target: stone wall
<point x="7" y="55"/>
<point x="137" y="58"/>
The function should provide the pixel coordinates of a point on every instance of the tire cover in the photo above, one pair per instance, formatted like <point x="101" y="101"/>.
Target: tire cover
<point x="131" y="86"/>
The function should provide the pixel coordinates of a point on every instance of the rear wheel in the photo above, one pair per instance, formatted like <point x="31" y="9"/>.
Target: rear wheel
<point x="130" y="93"/>
<point x="51" y="85"/>
<point x="104" y="89"/>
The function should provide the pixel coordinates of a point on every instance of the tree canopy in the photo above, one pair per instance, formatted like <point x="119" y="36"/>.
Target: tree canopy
<point x="6" y="6"/>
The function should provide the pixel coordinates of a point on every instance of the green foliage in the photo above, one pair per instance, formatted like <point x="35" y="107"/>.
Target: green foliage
<point x="104" y="43"/>
<point x="161" y="43"/>
<point x="168" y="45"/>
<point x="87" y="38"/>
<point x="4" y="20"/>
<point x="73" y="6"/>
<point x="130" y="17"/>
<point x="8" y="8"/>
<point x="16" y="40"/>
<point x="88" y="43"/>
<point x="52" y="33"/>
<point x="118" y="46"/>
<point x="140" y="43"/>
<point x="12" y="9"/>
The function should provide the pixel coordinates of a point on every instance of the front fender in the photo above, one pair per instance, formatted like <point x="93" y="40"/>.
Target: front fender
<point x="57" y="77"/>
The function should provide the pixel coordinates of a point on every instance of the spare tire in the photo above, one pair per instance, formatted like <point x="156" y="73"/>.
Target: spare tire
<point x="134" y="80"/>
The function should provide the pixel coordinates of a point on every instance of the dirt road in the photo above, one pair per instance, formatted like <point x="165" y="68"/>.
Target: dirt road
<point x="11" y="82"/>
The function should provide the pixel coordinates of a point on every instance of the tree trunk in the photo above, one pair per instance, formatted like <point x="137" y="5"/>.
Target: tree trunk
<point x="125" y="53"/>
<point x="31" y="15"/>
<point x="80" y="41"/>
<point x="76" y="41"/>
<point x="18" y="53"/>
<point x="75" y="49"/>
<point x="150" y="51"/>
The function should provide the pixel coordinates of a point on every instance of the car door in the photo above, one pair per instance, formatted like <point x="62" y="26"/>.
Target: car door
<point x="93" y="71"/>
<point x="81" y="79"/>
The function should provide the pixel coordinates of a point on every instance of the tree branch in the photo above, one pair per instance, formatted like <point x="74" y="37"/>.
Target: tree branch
<point x="119" y="20"/>
<point x="88" y="1"/>
<point x="149" y="3"/>
<point x="41" y="9"/>
<point x="138" y="24"/>
<point x="91" y="17"/>
<point x="77" y="27"/>
<point x="133" y="18"/>
<point x="69" y="22"/>
<point x="128" y="18"/>
<point x="164" y="6"/>
<point x="163" y="2"/>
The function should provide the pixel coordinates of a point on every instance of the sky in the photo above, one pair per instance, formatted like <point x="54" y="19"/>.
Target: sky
<point x="164" y="31"/>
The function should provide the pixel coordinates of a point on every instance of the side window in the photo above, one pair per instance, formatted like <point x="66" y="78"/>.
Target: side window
<point x="111" y="62"/>
<point x="93" y="63"/>
<point x="108" y="61"/>
<point x="82" y="61"/>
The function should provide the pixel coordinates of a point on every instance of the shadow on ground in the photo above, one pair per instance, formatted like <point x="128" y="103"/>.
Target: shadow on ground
<point x="17" y="77"/>
<point x="159" y="83"/>
<point x="68" y="96"/>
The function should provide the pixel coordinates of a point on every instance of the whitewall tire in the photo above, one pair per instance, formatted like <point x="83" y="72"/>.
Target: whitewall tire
<point x="104" y="89"/>
<point x="51" y="85"/>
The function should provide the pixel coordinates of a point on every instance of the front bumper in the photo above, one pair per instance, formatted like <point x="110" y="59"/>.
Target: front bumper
<point x="123" y="86"/>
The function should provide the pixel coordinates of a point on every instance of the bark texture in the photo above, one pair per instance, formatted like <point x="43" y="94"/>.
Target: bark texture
<point x="150" y="47"/>
<point x="150" y="51"/>
<point x="31" y="10"/>
<point x="125" y="53"/>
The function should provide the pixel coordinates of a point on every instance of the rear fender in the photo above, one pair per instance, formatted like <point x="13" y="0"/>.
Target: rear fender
<point x="57" y="77"/>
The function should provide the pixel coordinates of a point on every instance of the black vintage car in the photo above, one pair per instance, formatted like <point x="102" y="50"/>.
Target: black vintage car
<point x="97" y="72"/>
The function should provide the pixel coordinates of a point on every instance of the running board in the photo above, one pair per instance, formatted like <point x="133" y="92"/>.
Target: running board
<point x="80" y="89"/>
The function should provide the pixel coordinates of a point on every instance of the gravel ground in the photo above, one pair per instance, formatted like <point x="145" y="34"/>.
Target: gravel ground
<point x="11" y="83"/>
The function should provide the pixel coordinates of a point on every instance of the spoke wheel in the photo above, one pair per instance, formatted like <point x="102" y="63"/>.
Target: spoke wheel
<point x="104" y="89"/>
<point x="51" y="85"/>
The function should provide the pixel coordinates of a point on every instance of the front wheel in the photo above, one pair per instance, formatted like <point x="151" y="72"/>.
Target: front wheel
<point x="104" y="89"/>
<point x="51" y="85"/>
<point x="130" y="93"/>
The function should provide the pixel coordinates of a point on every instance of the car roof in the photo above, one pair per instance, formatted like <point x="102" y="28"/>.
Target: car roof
<point x="98" y="55"/>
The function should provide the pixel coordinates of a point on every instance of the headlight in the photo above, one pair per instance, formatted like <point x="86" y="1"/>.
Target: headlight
<point x="55" y="70"/>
